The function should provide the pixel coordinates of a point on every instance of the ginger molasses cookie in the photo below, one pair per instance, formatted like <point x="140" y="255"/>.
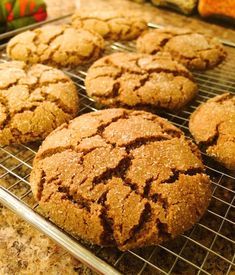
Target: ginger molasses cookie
<point x="140" y="80"/>
<point x="56" y="45"/>
<point x="114" y="25"/>
<point x="34" y="100"/>
<point x="213" y="125"/>
<point x="194" y="50"/>
<point x="121" y="178"/>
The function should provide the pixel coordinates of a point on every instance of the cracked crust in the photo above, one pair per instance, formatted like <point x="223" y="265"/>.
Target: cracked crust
<point x="213" y="125"/>
<point x="112" y="25"/>
<point x="89" y="176"/>
<point x="56" y="46"/>
<point x="194" y="50"/>
<point x="140" y="80"/>
<point x="34" y="100"/>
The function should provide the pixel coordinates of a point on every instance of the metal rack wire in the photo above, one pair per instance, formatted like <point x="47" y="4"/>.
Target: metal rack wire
<point x="208" y="248"/>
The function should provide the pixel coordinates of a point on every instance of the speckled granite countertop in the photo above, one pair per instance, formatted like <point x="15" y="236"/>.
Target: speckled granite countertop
<point x="23" y="250"/>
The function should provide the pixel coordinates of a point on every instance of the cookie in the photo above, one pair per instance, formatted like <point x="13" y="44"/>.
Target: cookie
<point x="58" y="46"/>
<point x="140" y="80"/>
<point x="186" y="7"/>
<point x="194" y="50"/>
<point x="120" y="178"/>
<point x="34" y="100"/>
<point x="114" y="25"/>
<point x="213" y="125"/>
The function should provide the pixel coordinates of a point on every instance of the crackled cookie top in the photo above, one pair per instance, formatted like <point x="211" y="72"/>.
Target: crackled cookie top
<point x="34" y="100"/>
<point x="213" y="125"/>
<point x="56" y="46"/>
<point x="120" y="178"/>
<point x="113" y="25"/>
<point x="194" y="50"/>
<point x="130" y="79"/>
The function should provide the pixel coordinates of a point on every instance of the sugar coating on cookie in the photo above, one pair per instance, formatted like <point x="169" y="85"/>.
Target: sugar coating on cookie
<point x="34" y="100"/>
<point x="140" y="80"/>
<point x="213" y="125"/>
<point x="110" y="24"/>
<point x="192" y="49"/>
<point x="56" y="45"/>
<point x="121" y="178"/>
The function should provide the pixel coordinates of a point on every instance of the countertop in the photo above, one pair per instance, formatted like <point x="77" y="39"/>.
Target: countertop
<point x="24" y="250"/>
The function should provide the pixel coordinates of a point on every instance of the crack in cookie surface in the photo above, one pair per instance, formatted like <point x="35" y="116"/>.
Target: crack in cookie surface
<point x="130" y="79"/>
<point x="110" y="24"/>
<point x="194" y="50"/>
<point x="34" y="101"/>
<point x="56" y="46"/>
<point x="213" y="126"/>
<point x="118" y="175"/>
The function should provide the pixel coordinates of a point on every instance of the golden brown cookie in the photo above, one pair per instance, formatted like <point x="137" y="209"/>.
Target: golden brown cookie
<point x="120" y="178"/>
<point x="140" y="80"/>
<point x="213" y="125"/>
<point x="34" y="100"/>
<point x="194" y="50"/>
<point x="56" y="46"/>
<point x="114" y="25"/>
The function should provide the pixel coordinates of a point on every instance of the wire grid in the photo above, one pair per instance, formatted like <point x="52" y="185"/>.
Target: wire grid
<point x="208" y="248"/>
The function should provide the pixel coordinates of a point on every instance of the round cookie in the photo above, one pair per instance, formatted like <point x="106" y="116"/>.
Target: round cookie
<point x="56" y="46"/>
<point x="34" y="100"/>
<point x="89" y="175"/>
<point x="213" y="125"/>
<point x="140" y="80"/>
<point x="114" y="25"/>
<point x="194" y="50"/>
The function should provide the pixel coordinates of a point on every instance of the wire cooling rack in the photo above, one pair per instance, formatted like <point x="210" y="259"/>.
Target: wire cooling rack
<point x="208" y="248"/>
